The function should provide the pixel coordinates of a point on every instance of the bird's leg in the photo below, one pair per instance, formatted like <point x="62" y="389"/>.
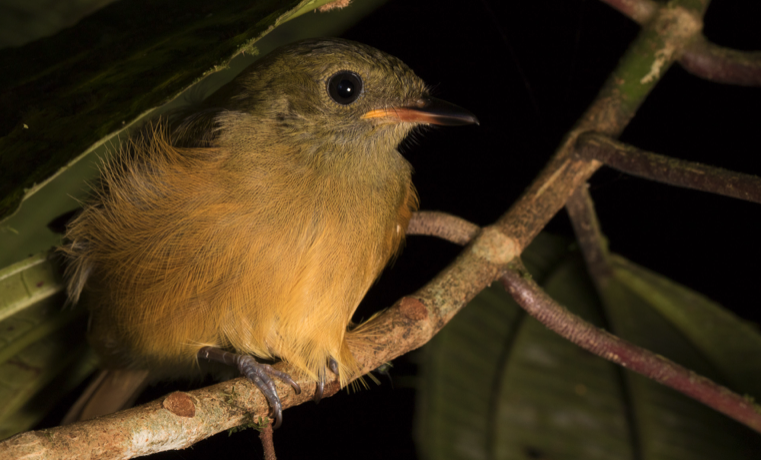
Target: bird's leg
<point x="333" y="366"/>
<point x="258" y="373"/>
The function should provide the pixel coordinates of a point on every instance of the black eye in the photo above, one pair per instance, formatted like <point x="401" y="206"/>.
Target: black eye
<point x="345" y="87"/>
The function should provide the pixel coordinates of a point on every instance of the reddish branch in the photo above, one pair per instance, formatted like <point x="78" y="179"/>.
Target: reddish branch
<point x="594" y="248"/>
<point x="267" y="444"/>
<point x="722" y="65"/>
<point x="661" y="168"/>
<point x="589" y="236"/>
<point x="444" y="226"/>
<point x="557" y="318"/>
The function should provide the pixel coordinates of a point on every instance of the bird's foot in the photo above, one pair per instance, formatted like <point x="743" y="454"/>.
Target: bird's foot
<point x="258" y="373"/>
<point x="318" y="392"/>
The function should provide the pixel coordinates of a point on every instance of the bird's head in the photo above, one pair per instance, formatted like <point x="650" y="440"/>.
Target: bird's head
<point x="335" y="95"/>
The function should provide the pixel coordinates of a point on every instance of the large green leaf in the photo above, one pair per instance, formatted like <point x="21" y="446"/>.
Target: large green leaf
<point x="496" y="384"/>
<point x="43" y="353"/>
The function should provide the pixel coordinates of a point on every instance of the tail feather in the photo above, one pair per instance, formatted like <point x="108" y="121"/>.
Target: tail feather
<point x="110" y="391"/>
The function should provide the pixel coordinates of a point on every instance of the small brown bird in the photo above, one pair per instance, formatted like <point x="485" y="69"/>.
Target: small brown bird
<point x="254" y="225"/>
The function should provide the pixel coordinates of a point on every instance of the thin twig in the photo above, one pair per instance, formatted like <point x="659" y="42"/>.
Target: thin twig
<point x="668" y="170"/>
<point x="267" y="444"/>
<point x="591" y="240"/>
<point x="557" y="318"/>
<point x="442" y="225"/>
<point x="722" y="65"/>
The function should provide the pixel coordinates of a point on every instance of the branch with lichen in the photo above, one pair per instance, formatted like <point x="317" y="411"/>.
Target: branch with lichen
<point x="700" y="57"/>
<point x="181" y="419"/>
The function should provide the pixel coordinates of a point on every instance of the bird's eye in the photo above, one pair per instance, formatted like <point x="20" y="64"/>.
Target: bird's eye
<point x="344" y="87"/>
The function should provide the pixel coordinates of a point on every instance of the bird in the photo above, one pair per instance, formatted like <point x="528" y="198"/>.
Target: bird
<point x="248" y="228"/>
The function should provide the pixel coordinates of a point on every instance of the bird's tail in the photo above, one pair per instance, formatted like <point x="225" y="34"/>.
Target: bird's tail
<point x="109" y="391"/>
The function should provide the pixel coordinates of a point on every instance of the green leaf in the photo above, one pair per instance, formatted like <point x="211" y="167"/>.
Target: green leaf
<point x="498" y="384"/>
<point x="43" y="353"/>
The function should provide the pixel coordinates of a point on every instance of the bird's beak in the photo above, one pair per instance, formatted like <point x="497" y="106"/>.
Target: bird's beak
<point x="427" y="110"/>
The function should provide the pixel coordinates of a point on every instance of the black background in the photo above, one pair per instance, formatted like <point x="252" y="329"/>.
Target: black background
<point x="528" y="70"/>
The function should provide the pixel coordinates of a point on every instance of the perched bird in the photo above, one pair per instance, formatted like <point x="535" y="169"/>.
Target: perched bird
<point x="253" y="225"/>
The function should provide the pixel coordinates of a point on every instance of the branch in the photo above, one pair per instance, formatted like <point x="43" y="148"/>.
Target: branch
<point x="608" y="346"/>
<point x="268" y="445"/>
<point x="591" y="240"/>
<point x="701" y="58"/>
<point x="668" y="170"/>
<point x="176" y="421"/>
<point x="557" y="318"/>
<point x="722" y="65"/>
<point x="442" y="225"/>
<point x="595" y="250"/>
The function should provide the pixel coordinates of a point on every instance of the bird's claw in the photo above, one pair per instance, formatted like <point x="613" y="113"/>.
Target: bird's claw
<point x="259" y="374"/>
<point x="320" y="389"/>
